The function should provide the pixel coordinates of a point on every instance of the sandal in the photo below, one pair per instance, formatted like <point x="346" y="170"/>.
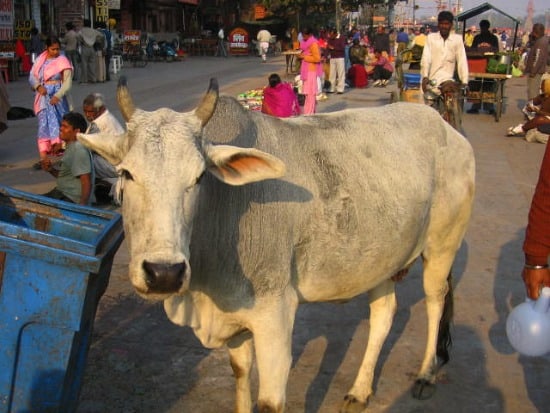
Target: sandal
<point x="515" y="131"/>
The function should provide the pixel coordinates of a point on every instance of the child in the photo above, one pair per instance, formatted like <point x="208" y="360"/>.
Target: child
<point x="74" y="173"/>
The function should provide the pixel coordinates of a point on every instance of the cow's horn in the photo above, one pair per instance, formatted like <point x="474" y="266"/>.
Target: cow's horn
<point x="125" y="102"/>
<point x="206" y="108"/>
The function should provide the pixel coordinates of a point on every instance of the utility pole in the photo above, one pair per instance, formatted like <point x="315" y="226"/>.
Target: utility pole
<point x="338" y="16"/>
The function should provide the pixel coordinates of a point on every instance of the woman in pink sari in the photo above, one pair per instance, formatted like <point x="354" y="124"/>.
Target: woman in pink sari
<point x="280" y="99"/>
<point x="51" y="79"/>
<point x="310" y="70"/>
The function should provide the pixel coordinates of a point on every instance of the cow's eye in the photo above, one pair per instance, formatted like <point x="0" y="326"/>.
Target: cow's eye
<point x="126" y="175"/>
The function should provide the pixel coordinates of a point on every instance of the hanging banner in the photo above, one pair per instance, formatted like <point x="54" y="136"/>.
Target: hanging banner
<point x="6" y="20"/>
<point x="102" y="10"/>
<point x="238" y="41"/>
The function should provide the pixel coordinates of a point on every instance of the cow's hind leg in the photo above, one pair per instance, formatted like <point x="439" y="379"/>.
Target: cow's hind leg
<point x="241" y="355"/>
<point x="383" y="305"/>
<point x="439" y="307"/>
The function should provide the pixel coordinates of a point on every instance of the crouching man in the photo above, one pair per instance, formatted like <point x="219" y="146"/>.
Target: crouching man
<point x="74" y="173"/>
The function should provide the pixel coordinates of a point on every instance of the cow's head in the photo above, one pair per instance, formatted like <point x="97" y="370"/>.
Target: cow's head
<point x="161" y="159"/>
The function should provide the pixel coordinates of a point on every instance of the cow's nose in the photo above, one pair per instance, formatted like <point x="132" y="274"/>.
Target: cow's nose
<point x="164" y="278"/>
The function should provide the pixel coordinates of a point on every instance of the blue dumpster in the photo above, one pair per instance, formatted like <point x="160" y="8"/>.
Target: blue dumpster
<point x="55" y="262"/>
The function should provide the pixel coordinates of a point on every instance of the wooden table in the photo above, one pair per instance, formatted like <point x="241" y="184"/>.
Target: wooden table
<point x="290" y="56"/>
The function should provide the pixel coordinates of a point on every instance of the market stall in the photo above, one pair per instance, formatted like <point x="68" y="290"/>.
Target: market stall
<point x="488" y="71"/>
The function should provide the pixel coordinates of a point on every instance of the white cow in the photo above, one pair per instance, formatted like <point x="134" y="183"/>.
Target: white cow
<point x="233" y="218"/>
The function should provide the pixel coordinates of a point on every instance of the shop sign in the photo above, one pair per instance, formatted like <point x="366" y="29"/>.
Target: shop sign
<point x="132" y="36"/>
<point x="259" y="12"/>
<point x="238" y="41"/>
<point x="23" y="29"/>
<point x="102" y="10"/>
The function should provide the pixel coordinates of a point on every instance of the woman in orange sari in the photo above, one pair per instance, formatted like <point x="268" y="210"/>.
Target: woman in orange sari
<point x="310" y="70"/>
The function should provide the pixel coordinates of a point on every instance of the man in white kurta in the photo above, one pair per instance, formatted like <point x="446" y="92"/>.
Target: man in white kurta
<point x="443" y="53"/>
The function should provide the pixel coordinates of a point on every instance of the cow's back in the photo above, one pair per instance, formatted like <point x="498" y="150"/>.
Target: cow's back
<point x="353" y="207"/>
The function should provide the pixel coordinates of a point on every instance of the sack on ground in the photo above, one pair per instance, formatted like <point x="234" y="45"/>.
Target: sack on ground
<point x="533" y="135"/>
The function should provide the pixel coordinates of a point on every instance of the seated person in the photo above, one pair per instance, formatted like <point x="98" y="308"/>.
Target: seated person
<point x="74" y="172"/>
<point x="383" y="69"/>
<point x="280" y="99"/>
<point x="541" y="108"/>
<point x="357" y="76"/>
<point x="357" y="53"/>
<point x="102" y="120"/>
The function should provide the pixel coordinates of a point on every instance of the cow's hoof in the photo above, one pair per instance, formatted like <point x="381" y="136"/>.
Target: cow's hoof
<point x="423" y="389"/>
<point x="352" y="405"/>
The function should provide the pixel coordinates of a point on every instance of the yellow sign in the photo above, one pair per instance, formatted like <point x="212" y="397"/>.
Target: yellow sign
<point x="102" y="10"/>
<point x="23" y="29"/>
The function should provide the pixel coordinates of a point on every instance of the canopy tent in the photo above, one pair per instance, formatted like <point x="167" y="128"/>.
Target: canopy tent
<point x="482" y="8"/>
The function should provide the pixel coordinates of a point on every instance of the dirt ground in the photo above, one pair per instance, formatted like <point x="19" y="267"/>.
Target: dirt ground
<point x="141" y="363"/>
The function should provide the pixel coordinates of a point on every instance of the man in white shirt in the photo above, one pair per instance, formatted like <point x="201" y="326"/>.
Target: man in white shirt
<point x="101" y="120"/>
<point x="263" y="37"/>
<point x="443" y="53"/>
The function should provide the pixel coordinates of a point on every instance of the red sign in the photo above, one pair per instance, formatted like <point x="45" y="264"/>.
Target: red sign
<point x="259" y="12"/>
<point x="132" y="36"/>
<point x="238" y="41"/>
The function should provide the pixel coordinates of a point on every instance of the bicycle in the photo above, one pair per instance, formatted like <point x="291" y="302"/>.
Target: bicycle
<point x="448" y="100"/>
<point x="137" y="56"/>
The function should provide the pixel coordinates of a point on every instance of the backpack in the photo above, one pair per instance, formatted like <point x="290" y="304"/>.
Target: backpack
<point x="99" y="42"/>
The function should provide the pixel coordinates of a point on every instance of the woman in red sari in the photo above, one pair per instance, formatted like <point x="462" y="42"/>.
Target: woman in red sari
<point x="279" y="99"/>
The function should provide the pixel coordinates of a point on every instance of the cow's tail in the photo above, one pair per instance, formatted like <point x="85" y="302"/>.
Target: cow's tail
<point x="444" y="340"/>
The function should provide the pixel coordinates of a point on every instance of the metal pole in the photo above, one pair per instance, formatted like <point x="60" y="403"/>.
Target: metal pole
<point x="337" y="16"/>
<point x="414" y="13"/>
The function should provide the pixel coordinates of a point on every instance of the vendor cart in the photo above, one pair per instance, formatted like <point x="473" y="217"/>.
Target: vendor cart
<point x="489" y="89"/>
<point x="486" y="87"/>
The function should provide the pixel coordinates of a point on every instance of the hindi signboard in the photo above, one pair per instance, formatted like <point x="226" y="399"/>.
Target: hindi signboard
<point x="239" y="41"/>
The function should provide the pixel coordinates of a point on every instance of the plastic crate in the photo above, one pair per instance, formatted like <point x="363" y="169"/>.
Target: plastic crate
<point x="411" y="80"/>
<point x="55" y="262"/>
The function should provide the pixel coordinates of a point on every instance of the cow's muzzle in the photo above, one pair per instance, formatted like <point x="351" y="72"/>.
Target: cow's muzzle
<point x="164" y="278"/>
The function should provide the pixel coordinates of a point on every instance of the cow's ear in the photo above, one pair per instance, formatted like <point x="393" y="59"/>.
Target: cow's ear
<point x="112" y="148"/>
<point x="240" y="166"/>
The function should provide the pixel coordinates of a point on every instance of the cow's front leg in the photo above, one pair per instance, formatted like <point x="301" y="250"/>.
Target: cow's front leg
<point x="241" y="355"/>
<point x="273" y="345"/>
<point x="383" y="305"/>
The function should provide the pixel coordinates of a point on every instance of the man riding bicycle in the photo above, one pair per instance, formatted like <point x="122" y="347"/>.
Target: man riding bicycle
<point x="443" y="54"/>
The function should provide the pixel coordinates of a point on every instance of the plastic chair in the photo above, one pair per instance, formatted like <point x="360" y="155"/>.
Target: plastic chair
<point x="116" y="64"/>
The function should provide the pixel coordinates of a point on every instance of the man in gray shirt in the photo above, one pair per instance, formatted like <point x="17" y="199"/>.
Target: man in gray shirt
<point x="70" y="41"/>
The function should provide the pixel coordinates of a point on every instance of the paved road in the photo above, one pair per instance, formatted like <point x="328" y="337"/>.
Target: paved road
<point x="139" y="362"/>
